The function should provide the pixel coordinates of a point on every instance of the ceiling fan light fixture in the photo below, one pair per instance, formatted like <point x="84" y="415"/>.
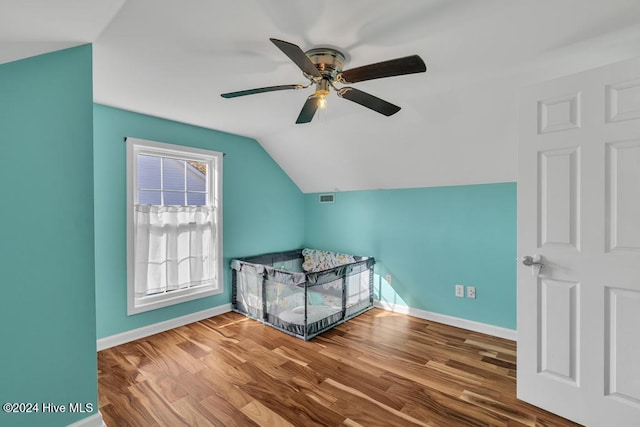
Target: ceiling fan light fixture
<point x="322" y="90"/>
<point x="322" y="102"/>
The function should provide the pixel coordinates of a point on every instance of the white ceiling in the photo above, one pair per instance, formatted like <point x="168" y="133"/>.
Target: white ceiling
<point x="457" y="125"/>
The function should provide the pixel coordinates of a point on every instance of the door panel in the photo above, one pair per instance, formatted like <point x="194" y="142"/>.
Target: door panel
<point x="623" y="355"/>
<point x="558" y="187"/>
<point x="623" y="101"/>
<point x="560" y="113"/>
<point x="559" y="326"/>
<point x="623" y="213"/>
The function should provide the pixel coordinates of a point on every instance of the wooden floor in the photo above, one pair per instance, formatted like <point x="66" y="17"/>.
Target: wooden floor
<point x="379" y="369"/>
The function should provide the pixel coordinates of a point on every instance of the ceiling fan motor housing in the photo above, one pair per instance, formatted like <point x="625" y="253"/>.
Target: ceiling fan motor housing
<point x="328" y="61"/>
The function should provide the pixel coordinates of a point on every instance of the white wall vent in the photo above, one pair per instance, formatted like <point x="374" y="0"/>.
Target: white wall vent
<point x="327" y="198"/>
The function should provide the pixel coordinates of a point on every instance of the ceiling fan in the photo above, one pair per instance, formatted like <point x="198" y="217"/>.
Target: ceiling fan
<point x="323" y="67"/>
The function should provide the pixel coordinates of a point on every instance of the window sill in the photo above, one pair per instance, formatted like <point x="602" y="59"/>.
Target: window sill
<point x="140" y="305"/>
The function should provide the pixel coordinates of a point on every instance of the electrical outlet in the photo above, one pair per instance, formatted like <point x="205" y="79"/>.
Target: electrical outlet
<point x="460" y="291"/>
<point x="388" y="277"/>
<point x="471" y="292"/>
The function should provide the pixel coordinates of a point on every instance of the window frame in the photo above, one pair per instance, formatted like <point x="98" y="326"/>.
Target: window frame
<point x="213" y="159"/>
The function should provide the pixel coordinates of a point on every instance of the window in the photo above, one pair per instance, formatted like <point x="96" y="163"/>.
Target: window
<point x="174" y="224"/>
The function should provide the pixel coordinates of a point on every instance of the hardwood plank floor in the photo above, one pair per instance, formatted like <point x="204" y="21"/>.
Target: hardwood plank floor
<point x="378" y="369"/>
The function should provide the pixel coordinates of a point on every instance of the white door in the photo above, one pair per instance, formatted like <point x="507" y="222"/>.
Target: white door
<point x="579" y="210"/>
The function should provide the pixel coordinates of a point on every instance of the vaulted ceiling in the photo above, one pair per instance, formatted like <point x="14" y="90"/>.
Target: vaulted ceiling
<point x="458" y="123"/>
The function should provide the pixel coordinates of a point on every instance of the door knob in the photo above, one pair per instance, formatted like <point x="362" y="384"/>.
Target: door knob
<point x="530" y="261"/>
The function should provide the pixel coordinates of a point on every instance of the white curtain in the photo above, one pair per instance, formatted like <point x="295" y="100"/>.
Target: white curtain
<point x="174" y="247"/>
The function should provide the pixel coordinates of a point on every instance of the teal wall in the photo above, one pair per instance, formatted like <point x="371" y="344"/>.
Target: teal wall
<point x="263" y="210"/>
<point x="47" y="308"/>
<point x="429" y="239"/>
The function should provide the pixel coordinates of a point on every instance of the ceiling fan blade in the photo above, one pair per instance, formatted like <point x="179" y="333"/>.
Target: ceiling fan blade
<point x="367" y="100"/>
<point x="297" y="56"/>
<point x="260" y="90"/>
<point x="394" y="67"/>
<point x="308" y="110"/>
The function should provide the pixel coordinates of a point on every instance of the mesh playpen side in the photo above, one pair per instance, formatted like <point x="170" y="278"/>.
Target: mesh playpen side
<point x="274" y="289"/>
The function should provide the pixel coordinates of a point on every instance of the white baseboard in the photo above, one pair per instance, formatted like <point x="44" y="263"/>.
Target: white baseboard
<point x="145" y="331"/>
<point x="94" y="420"/>
<point x="470" y="325"/>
